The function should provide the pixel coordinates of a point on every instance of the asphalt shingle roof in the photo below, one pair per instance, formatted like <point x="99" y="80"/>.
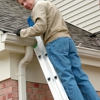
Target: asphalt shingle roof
<point x="13" y="16"/>
<point x="82" y="37"/>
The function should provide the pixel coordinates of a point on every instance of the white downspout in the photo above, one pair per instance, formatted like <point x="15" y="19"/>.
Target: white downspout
<point x="22" y="73"/>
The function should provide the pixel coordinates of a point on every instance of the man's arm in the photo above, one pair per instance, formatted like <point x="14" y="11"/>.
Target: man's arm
<point x="40" y="26"/>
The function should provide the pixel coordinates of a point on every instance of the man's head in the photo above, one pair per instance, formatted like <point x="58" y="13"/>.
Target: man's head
<point x="28" y="4"/>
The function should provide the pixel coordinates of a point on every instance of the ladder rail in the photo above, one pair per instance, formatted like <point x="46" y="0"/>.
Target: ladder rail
<point x="58" y="82"/>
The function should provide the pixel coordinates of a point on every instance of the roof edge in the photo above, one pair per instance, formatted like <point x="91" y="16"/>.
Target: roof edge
<point x="11" y="38"/>
<point x="88" y="52"/>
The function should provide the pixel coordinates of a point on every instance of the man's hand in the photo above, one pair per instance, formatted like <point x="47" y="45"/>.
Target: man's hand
<point x="17" y="32"/>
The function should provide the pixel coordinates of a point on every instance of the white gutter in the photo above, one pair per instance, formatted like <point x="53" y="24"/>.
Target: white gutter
<point x="88" y="52"/>
<point x="89" y="56"/>
<point x="22" y="73"/>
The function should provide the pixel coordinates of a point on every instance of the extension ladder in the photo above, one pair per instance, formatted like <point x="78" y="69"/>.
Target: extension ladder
<point x="50" y="74"/>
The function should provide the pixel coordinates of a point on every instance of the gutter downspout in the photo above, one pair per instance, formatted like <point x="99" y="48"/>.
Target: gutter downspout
<point x="22" y="73"/>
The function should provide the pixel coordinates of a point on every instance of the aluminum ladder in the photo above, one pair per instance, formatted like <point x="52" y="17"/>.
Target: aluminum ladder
<point x="50" y="74"/>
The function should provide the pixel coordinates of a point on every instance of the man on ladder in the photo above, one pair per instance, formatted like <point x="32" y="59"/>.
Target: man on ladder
<point x="60" y="48"/>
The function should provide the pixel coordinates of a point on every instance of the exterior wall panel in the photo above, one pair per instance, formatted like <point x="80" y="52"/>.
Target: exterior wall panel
<point x="81" y="13"/>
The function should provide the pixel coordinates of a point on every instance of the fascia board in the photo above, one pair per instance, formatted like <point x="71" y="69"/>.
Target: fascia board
<point x="16" y="44"/>
<point x="10" y="38"/>
<point x="88" y="52"/>
<point x="89" y="57"/>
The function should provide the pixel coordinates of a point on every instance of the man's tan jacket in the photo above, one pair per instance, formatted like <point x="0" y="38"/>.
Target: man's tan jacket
<point x="48" y="22"/>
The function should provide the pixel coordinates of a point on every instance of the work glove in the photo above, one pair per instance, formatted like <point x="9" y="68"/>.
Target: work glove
<point x="17" y="32"/>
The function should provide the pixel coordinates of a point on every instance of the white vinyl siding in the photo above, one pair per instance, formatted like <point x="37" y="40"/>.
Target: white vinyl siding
<point x="81" y="13"/>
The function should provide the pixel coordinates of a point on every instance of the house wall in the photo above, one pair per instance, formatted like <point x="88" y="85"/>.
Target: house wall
<point x="82" y="13"/>
<point x="9" y="65"/>
<point x="4" y="66"/>
<point x="35" y="74"/>
<point x="33" y="70"/>
<point x="93" y="74"/>
<point x="35" y="91"/>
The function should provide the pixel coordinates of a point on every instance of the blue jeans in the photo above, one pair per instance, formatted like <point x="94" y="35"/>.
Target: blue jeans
<point x="63" y="55"/>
